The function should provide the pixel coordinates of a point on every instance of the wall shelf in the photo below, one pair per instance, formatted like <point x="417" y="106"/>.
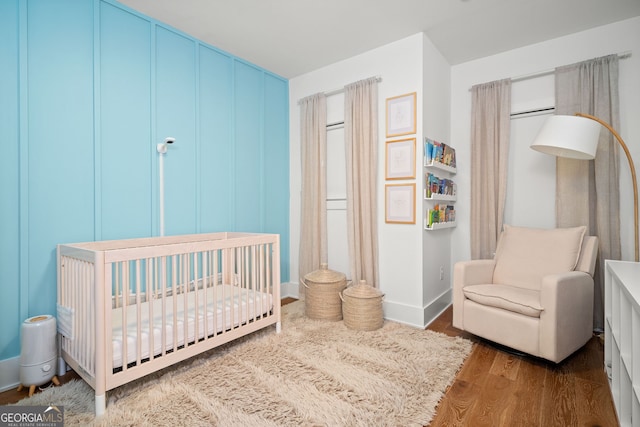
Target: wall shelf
<point x="440" y="197"/>
<point x="439" y="191"/>
<point x="440" y="166"/>
<point x="439" y="225"/>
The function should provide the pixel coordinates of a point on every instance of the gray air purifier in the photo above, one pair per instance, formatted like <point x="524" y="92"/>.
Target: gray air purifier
<point x="38" y="352"/>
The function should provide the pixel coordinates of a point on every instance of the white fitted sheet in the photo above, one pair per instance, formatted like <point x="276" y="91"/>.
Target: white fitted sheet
<point x="239" y="306"/>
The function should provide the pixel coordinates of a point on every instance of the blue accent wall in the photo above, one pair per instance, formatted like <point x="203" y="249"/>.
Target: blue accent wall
<point x="123" y="135"/>
<point x="215" y="127"/>
<point x="59" y="161"/>
<point x="89" y="88"/>
<point x="247" y="157"/>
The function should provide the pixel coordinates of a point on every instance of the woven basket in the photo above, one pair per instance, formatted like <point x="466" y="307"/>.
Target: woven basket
<point x="322" y="294"/>
<point x="362" y="307"/>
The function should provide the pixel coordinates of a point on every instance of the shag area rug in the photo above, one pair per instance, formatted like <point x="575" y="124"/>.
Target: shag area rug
<point x="314" y="373"/>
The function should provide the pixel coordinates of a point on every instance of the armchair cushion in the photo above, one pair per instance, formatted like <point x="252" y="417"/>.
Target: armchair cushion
<point x="525" y="255"/>
<point x="512" y="298"/>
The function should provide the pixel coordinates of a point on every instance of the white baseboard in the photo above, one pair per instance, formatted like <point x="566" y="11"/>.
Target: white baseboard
<point x="290" y="290"/>
<point x="437" y="306"/>
<point x="9" y="373"/>
<point x="418" y="317"/>
<point x="403" y="313"/>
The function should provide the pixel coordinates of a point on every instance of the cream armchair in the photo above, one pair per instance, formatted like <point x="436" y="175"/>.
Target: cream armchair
<point x="535" y="296"/>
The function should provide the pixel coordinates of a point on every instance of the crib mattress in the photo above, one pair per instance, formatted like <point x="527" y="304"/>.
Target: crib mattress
<point x="218" y="310"/>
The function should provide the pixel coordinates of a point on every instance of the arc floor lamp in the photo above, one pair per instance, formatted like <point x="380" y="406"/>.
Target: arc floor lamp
<point x="576" y="137"/>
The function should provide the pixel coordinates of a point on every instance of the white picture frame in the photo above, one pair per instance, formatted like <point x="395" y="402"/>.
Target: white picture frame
<point x="400" y="203"/>
<point x="401" y="115"/>
<point x="400" y="159"/>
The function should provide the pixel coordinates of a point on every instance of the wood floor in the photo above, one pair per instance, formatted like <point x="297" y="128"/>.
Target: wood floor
<point x="496" y="388"/>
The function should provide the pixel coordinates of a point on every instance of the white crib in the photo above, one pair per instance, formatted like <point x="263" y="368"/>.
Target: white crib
<point x="127" y="308"/>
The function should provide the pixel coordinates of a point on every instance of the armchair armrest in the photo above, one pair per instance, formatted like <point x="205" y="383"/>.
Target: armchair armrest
<point x="566" y="323"/>
<point x="474" y="272"/>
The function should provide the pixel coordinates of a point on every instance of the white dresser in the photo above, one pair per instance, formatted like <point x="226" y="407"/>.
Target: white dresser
<point x="622" y="338"/>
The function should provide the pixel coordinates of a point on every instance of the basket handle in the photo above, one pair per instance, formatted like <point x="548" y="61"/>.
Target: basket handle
<point x="302" y="281"/>
<point x="341" y="297"/>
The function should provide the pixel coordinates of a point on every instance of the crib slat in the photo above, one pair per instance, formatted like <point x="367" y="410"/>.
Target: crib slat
<point x="260" y="284"/>
<point x="94" y="322"/>
<point x="174" y="299"/>
<point x="222" y="292"/>
<point x="138" y="314"/>
<point x="124" y="277"/>
<point x="163" y="273"/>
<point x="205" y="305"/>
<point x="86" y="326"/>
<point x="193" y="275"/>
<point x="216" y="301"/>
<point x="151" y="286"/>
<point x="255" y="262"/>
<point x="100" y="300"/>
<point x="185" y="297"/>
<point x="237" y="265"/>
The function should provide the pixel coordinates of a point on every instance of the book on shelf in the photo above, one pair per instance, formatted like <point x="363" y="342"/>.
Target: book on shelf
<point x="436" y="185"/>
<point x="439" y="152"/>
<point x="440" y="214"/>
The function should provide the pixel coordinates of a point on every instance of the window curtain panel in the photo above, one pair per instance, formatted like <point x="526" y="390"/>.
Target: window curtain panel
<point x="361" y="145"/>
<point x="587" y="191"/>
<point x="313" y="210"/>
<point x="490" y="132"/>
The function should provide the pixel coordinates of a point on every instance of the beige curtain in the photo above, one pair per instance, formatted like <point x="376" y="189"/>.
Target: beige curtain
<point x="313" y="210"/>
<point x="587" y="192"/>
<point x="361" y="144"/>
<point x="490" y="131"/>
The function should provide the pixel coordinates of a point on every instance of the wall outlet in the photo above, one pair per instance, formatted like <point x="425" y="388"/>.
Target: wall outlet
<point x="441" y="273"/>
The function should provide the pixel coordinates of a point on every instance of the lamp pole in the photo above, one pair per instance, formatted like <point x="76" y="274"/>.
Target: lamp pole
<point x="161" y="148"/>
<point x="633" y="177"/>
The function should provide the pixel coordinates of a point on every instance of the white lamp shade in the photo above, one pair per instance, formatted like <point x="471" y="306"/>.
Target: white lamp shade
<point x="568" y="136"/>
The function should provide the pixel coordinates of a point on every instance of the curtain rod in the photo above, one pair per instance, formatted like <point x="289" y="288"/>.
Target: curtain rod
<point x="551" y="109"/>
<point x="622" y="55"/>
<point x="337" y="91"/>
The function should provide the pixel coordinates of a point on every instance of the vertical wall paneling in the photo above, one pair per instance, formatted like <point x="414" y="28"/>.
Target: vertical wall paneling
<point x="175" y="117"/>
<point x="231" y="210"/>
<point x="126" y="149"/>
<point x="23" y="141"/>
<point x="276" y="162"/>
<point x="215" y="89"/>
<point x="261" y="148"/>
<point x="60" y="155"/>
<point x="9" y="176"/>
<point x="97" y="140"/>
<point x="197" y="139"/>
<point x="248" y="180"/>
<point x="153" y="153"/>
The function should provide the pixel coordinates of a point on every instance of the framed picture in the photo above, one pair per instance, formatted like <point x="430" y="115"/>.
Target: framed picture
<point x="399" y="203"/>
<point x="400" y="159"/>
<point x="401" y="115"/>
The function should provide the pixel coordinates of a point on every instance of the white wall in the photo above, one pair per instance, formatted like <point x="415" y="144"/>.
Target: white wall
<point x="531" y="167"/>
<point x="400" y="65"/>
<point x="436" y="245"/>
